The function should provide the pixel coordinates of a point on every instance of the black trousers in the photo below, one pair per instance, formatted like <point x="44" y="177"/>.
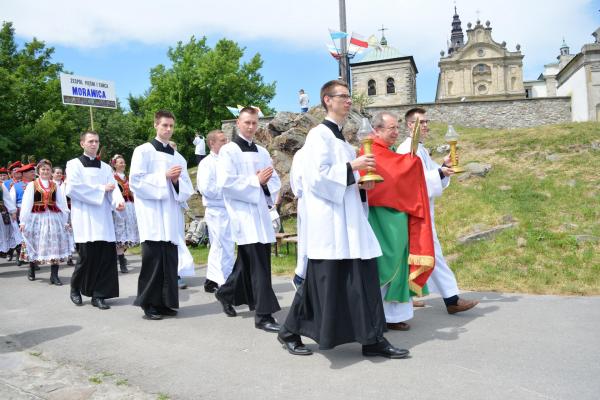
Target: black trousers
<point x="95" y="274"/>
<point x="250" y="280"/>
<point x="339" y="302"/>
<point x="157" y="283"/>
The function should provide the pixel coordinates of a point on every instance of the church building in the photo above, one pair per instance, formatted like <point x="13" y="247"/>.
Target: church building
<point x="480" y="68"/>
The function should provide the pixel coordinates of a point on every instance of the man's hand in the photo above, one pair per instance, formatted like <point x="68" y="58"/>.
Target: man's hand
<point x="120" y="206"/>
<point x="366" y="161"/>
<point x="13" y="216"/>
<point x="447" y="171"/>
<point x="264" y="175"/>
<point x="22" y="228"/>
<point x="109" y="187"/>
<point x="173" y="173"/>
<point x="367" y="185"/>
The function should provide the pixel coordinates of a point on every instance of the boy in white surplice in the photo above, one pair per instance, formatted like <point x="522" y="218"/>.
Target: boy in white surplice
<point x="248" y="181"/>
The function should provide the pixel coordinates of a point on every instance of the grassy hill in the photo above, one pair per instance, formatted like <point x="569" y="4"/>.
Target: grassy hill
<point x="547" y="179"/>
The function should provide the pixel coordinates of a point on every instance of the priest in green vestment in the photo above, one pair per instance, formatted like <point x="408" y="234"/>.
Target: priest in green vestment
<point x="399" y="216"/>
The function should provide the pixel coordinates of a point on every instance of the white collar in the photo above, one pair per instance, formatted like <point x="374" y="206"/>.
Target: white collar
<point x="90" y="157"/>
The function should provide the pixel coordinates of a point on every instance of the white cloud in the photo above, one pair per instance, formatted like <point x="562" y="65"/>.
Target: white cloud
<point x="418" y="28"/>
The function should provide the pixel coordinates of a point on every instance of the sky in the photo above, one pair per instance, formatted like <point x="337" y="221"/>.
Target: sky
<point x="121" y="41"/>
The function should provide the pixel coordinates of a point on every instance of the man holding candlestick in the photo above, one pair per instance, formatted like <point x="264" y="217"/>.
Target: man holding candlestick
<point x="339" y="301"/>
<point x="437" y="177"/>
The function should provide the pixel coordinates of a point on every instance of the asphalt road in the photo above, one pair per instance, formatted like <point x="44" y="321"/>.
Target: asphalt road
<point x="511" y="346"/>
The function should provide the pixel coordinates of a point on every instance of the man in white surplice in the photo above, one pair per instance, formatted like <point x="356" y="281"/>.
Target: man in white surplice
<point x="221" y="253"/>
<point x="249" y="183"/>
<point x="437" y="177"/>
<point x="91" y="186"/>
<point x="296" y="184"/>
<point x="339" y="301"/>
<point x="161" y="185"/>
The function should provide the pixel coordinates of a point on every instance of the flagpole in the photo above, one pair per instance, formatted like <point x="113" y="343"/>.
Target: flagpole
<point x="344" y="64"/>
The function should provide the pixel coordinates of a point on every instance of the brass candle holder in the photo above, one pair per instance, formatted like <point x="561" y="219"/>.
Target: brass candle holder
<point x="365" y="135"/>
<point x="452" y="139"/>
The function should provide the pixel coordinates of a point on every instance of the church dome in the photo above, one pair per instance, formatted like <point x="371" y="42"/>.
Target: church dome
<point x="381" y="54"/>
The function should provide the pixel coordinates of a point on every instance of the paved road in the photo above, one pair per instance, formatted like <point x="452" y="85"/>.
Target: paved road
<point x="512" y="346"/>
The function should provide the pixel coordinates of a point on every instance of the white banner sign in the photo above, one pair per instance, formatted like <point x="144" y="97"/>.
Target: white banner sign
<point x="90" y="92"/>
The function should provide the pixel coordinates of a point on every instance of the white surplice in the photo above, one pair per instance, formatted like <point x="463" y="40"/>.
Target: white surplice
<point x="91" y="205"/>
<point x="158" y="206"/>
<point x="296" y="184"/>
<point x="442" y="279"/>
<point x="245" y="200"/>
<point x="221" y="254"/>
<point x="336" y="224"/>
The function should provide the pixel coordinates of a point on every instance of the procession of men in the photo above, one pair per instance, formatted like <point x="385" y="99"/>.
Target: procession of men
<point x="365" y="249"/>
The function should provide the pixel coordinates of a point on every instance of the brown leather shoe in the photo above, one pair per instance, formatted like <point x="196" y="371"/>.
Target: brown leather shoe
<point x="462" y="305"/>
<point x="418" y="303"/>
<point x="398" y="326"/>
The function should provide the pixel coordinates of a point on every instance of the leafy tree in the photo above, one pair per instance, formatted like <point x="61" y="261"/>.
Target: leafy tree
<point x="200" y="84"/>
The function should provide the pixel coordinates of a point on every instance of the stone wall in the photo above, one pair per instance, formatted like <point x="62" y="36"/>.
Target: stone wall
<point x="498" y="114"/>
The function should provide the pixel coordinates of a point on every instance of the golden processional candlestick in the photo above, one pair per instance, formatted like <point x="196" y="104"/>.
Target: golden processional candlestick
<point x="365" y="135"/>
<point x="452" y="138"/>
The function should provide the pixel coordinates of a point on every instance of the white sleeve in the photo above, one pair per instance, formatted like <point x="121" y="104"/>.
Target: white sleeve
<point x="238" y="187"/>
<point x="116" y="197"/>
<point x="324" y="178"/>
<point x="145" y="183"/>
<point x="9" y="202"/>
<point x="206" y="179"/>
<point x="61" y="202"/>
<point x="79" y="190"/>
<point x="186" y="188"/>
<point x="27" y="204"/>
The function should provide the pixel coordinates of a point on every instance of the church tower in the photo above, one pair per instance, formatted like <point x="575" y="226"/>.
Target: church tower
<point x="456" y="36"/>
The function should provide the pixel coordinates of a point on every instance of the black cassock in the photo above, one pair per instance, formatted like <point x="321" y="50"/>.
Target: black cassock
<point x="95" y="275"/>
<point x="157" y="283"/>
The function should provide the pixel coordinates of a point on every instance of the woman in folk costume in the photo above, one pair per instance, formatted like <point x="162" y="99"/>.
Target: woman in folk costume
<point x="44" y="224"/>
<point x="126" y="229"/>
<point x="58" y="177"/>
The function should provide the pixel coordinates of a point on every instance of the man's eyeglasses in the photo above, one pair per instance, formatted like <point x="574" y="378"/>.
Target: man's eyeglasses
<point x="422" y="121"/>
<point x="342" y="96"/>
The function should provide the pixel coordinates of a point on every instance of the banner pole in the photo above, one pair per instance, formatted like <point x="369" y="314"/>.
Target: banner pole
<point x="92" y="117"/>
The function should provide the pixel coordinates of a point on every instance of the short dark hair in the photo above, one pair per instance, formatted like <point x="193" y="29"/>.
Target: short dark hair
<point x="249" y="110"/>
<point x="85" y="133"/>
<point x="413" y="111"/>
<point x="163" y="114"/>
<point x="326" y="90"/>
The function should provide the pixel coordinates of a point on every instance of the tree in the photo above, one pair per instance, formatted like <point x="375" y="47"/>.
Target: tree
<point x="200" y="84"/>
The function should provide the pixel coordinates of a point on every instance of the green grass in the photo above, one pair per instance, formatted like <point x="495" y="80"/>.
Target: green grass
<point x="95" y="379"/>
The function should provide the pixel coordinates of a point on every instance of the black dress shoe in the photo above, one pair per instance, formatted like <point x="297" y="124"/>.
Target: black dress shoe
<point x="31" y="272"/>
<point x="384" y="349"/>
<point x="166" y="311"/>
<point x="99" y="302"/>
<point x="210" y="286"/>
<point x="151" y="313"/>
<point x="268" y="326"/>
<point x="227" y="307"/>
<point x="75" y="297"/>
<point x="295" y="347"/>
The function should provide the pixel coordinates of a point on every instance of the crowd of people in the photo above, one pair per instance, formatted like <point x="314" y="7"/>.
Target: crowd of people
<point x="365" y="250"/>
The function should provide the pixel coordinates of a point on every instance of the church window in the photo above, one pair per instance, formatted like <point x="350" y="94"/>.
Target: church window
<point x="371" y="90"/>
<point x="390" y="87"/>
<point x="482" y="89"/>
<point x="480" y="52"/>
